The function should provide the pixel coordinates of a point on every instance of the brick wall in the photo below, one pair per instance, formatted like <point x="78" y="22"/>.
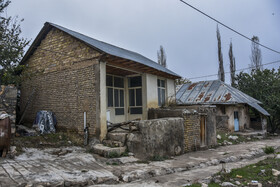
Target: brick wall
<point x="192" y="132"/>
<point x="64" y="82"/>
<point x="191" y="124"/>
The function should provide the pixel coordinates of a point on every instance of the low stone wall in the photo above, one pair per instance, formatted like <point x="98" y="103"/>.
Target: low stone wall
<point x="192" y="116"/>
<point x="8" y="102"/>
<point x="157" y="138"/>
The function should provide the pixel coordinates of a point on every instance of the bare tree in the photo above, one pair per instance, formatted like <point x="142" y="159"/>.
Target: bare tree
<point x="232" y="65"/>
<point x="161" y="56"/>
<point x="221" y="72"/>
<point x="256" y="54"/>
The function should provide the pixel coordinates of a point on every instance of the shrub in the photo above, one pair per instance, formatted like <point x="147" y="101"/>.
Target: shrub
<point x="269" y="150"/>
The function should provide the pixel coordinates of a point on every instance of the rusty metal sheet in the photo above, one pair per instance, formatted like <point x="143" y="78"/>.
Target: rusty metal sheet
<point x="215" y="92"/>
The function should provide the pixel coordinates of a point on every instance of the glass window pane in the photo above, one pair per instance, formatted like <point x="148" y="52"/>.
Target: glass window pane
<point x="158" y="83"/>
<point x="110" y="97"/>
<point x="136" y="110"/>
<point x="134" y="81"/>
<point x="163" y="96"/>
<point x="159" y="97"/>
<point x="118" y="82"/>
<point x="139" y="97"/>
<point x="109" y="80"/>
<point x="119" y="111"/>
<point x="162" y="83"/>
<point x="131" y="97"/>
<point x="121" y="98"/>
<point x="116" y="93"/>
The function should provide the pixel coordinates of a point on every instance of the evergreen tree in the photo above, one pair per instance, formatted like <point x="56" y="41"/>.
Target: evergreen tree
<point x="232" y="65"/>
<point x="11" y="45"/>
<point x="221" y="71"/>
<point x="161" y="56"/>
<point x="256" y="54"/>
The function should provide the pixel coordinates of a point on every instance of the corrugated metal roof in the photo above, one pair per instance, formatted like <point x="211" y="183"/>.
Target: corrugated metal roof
<point x="115" y="51"/>
<point x="214" y="92"/>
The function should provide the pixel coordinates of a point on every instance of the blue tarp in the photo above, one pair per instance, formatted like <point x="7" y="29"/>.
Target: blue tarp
<point x="46" y="122"/>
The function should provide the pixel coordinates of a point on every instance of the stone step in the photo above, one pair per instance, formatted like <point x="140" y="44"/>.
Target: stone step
<point x="111" y="143"/>
<point x="117" y="136"/>
<point x="108" y="151"/>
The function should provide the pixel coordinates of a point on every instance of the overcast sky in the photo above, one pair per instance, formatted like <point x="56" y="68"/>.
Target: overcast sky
<point x="188" y="37"/>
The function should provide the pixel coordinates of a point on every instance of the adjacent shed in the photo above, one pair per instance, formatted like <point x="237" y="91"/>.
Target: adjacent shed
<point x="232" y="104"/>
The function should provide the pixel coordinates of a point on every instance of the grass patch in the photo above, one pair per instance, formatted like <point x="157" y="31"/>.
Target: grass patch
<point x="225" y="137"/>
<point x="269" y="150"/>
<point x="113" y="154"/>
<point x="59" y="139"/>
<point x="213" y="185"/>
<point x="261" y="172"/>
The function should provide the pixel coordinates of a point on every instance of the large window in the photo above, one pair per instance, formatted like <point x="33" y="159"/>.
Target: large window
<point x="161" y="92"/>
<point x="135" y="94"/>
<point x="115" y="93"/>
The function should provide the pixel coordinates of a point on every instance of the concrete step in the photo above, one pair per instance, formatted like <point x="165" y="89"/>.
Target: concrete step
<point x="111" y="143"/>
<point x="108" y="151"/>
<point x="117" y="136"/>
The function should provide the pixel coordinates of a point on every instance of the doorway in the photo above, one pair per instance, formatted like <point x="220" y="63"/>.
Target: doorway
<point x="236" y="121"/>
<point x="202" y="131"/>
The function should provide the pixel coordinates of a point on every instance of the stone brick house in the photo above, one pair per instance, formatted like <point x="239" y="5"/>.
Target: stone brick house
<point x="72" y="73"/>
<point x="232" y="105"/>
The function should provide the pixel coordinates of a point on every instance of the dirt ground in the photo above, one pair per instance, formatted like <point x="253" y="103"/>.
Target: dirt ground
<point x="75" y="166"/>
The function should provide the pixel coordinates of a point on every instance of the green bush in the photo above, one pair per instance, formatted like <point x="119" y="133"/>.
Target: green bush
<point x="269" y="150"/>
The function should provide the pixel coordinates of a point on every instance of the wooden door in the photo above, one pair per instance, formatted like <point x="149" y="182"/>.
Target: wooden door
<point x="202" y="131"/>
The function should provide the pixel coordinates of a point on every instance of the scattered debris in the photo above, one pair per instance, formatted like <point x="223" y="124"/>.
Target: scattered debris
<point x="275" y="172"/>
<point x="233" y="137"/>
<point x="25" y="131"/>
<point x="227" y="184"/>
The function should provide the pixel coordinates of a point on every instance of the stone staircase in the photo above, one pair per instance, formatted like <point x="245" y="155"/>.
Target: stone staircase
<point x="114" y="145"/>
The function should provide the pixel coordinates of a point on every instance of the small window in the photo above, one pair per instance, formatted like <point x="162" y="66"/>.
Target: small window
<point x="235" y="115"/>
<point x="223" y="109"/>
<point x="161" y="92"/>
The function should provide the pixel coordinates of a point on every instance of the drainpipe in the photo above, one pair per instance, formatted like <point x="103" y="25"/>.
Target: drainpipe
<point x="85" y="129"/>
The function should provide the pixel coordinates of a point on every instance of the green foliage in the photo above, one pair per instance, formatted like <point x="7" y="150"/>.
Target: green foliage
<point x="261" y="171"/>
<point x="113" y="154"/>
<point x="269" y="150"/>
<point x="11" y="46"/>
<point x="264" y="86"/>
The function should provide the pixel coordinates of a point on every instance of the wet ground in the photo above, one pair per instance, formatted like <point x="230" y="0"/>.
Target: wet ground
<point x="72" y="166"/>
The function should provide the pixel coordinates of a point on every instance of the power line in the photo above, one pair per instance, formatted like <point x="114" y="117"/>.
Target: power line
<point x="274" y="62"/>
<point x="229" y="27"/>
